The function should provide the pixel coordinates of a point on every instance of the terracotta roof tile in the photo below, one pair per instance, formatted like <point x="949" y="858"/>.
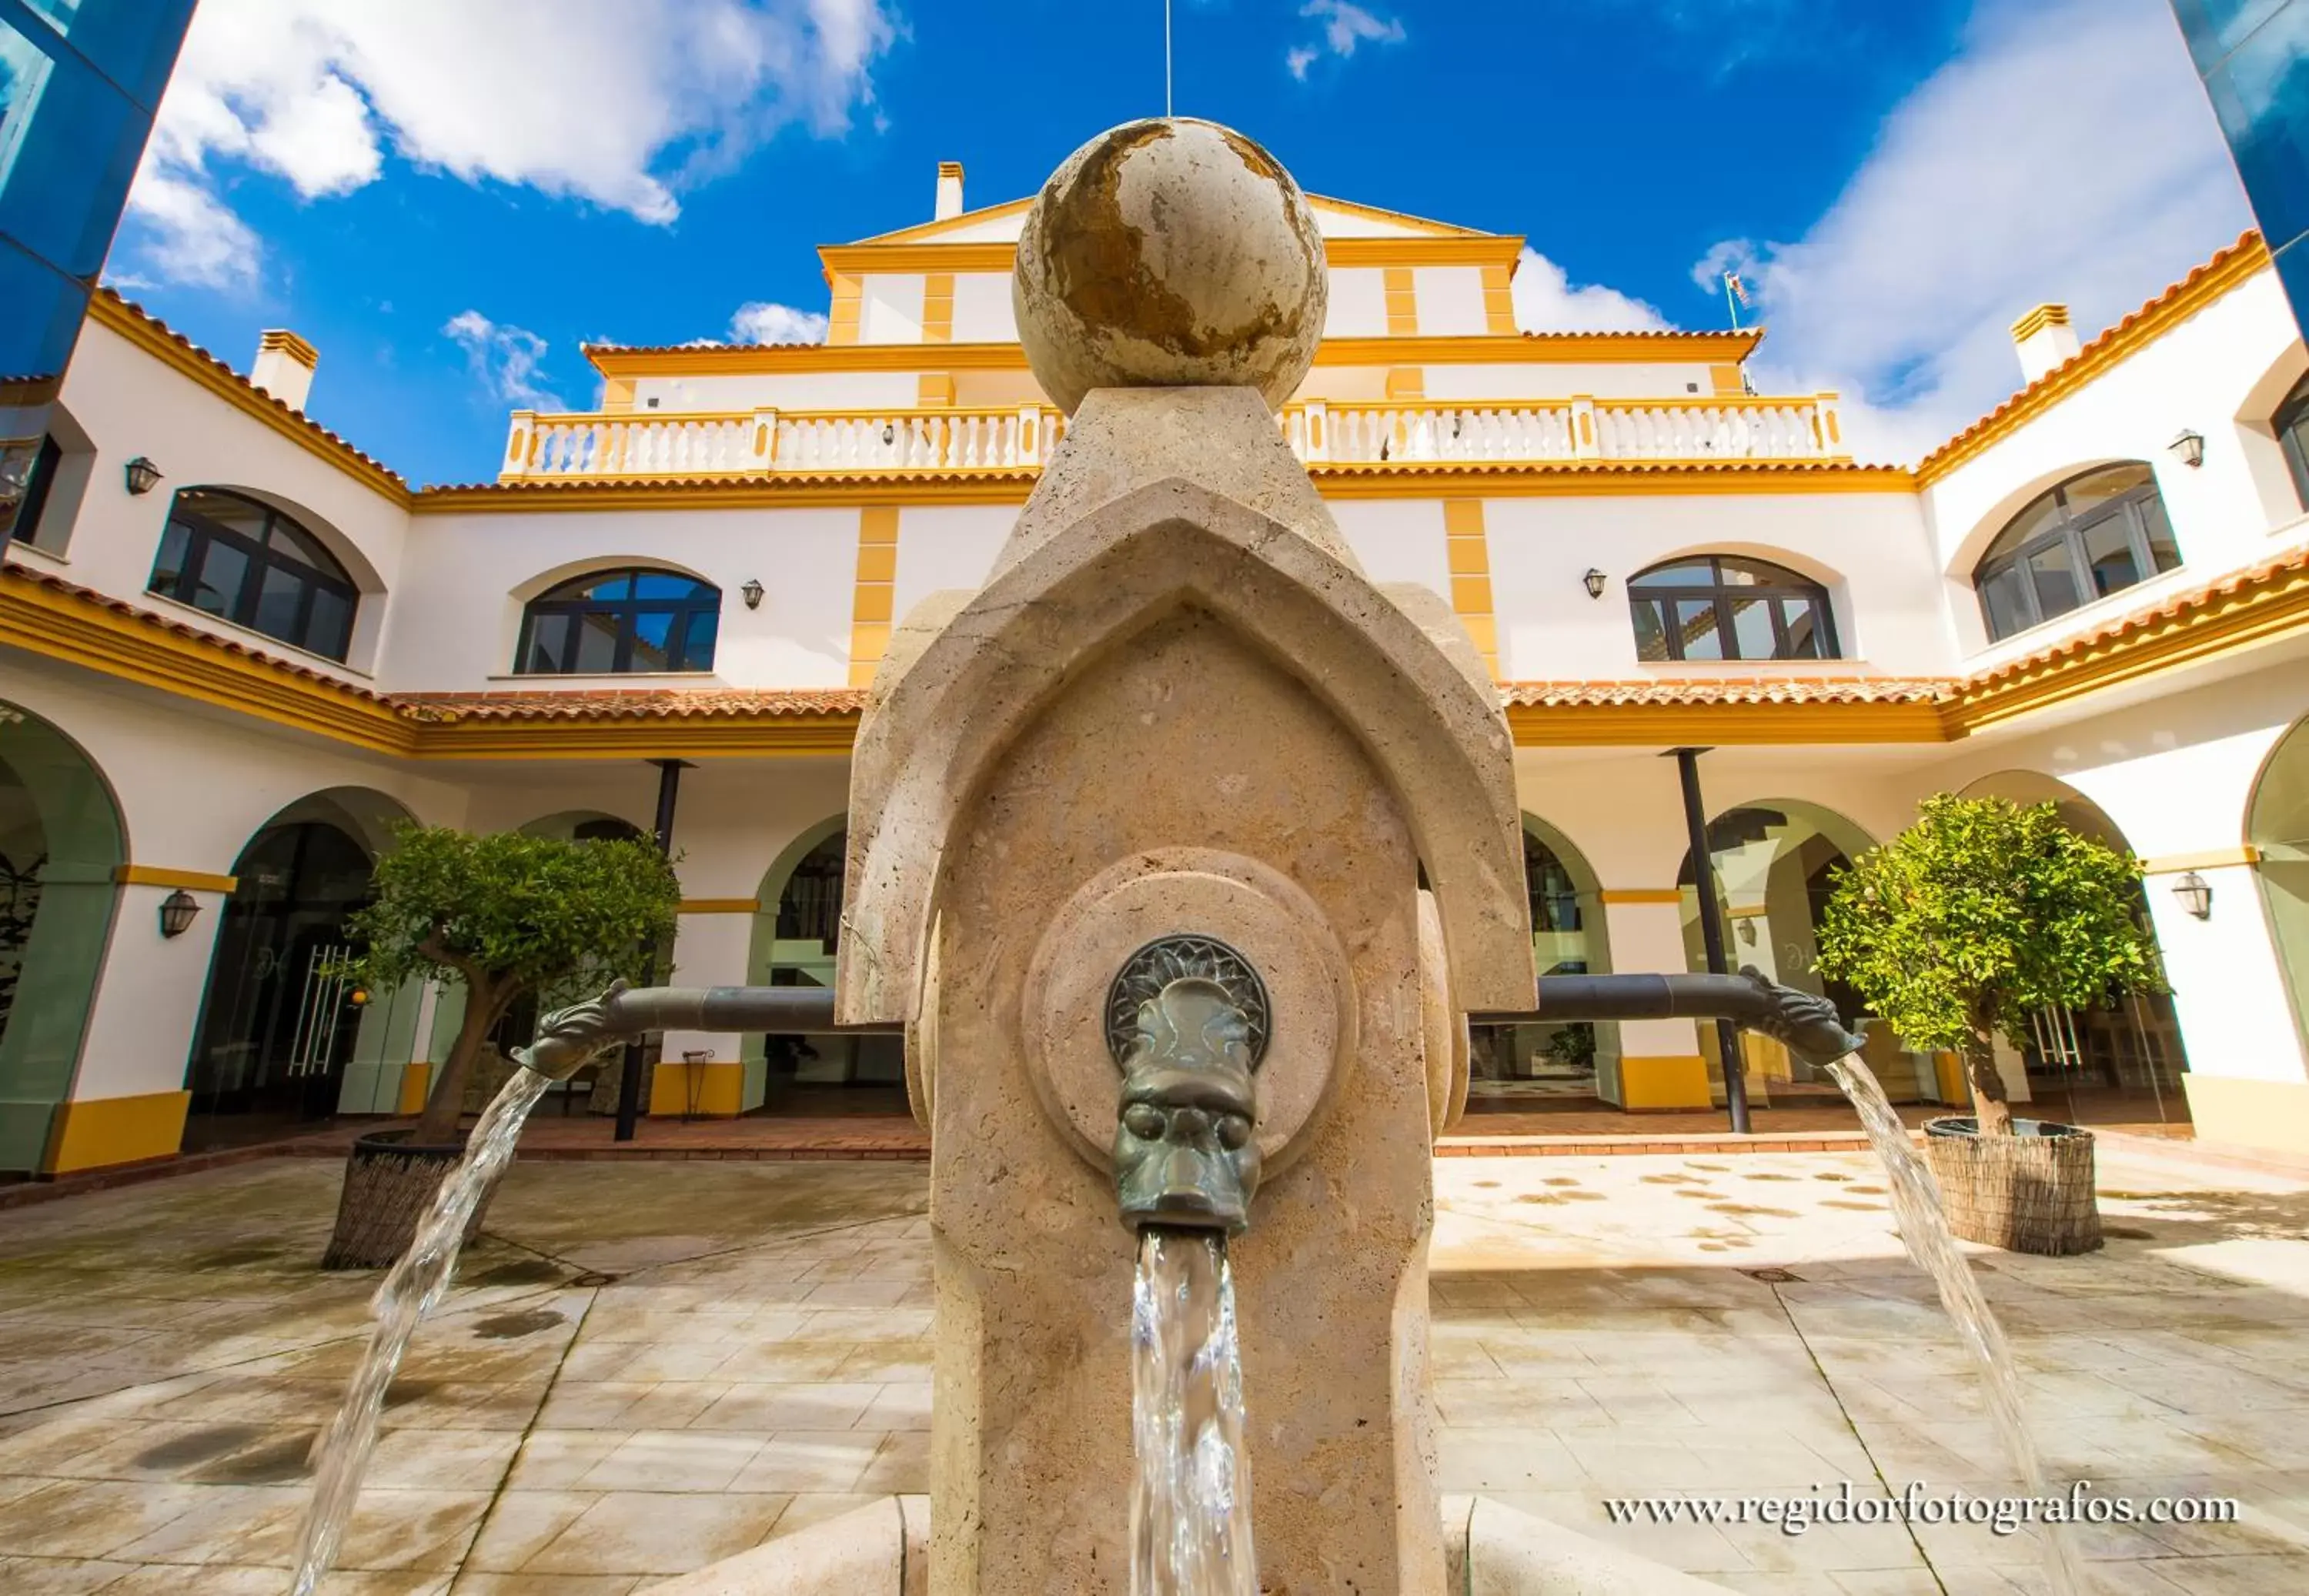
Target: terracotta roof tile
<point x="1689" y="690"/>
<point x="138" y="312"/>
<point x="2248" y="243"/>
<point x="592" y="703"/>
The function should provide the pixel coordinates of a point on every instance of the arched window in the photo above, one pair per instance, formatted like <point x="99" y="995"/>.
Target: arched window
<point x="2291" y="423"/>
<point x="256" y="567"/>
<point x="1727" y="607"/>
<point x="617" y="622"/>
<point x="2087" y="538"/>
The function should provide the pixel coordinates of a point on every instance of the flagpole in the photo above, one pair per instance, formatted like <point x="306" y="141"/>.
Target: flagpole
<point x="1730" y="302"/>
<point x="1166" y="57"/>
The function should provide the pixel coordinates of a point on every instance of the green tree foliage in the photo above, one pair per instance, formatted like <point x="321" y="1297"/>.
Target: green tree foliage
<point x="1979" y="915"/>
<point x="507" y="914"/>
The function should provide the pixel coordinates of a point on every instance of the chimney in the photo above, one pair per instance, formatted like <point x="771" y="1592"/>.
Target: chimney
<point x="284" y="367"/>
<point x="2045" y="340"/>
<point x="949" y="191"/>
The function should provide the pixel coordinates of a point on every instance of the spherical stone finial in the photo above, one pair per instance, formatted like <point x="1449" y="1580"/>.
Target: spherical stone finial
<point x="1170" y="253"/>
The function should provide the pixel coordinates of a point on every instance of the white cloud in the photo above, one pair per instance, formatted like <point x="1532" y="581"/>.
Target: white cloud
<point x="598" y="100"/>
<point x="762" y="321"/>
<point x="2067" y="153"/>
<point x="504" y="360"/>
<point x="1345" y="25"/>
<point x="1547" y="302"/>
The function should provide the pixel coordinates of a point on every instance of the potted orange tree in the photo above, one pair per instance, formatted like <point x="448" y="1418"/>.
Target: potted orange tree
<point x="504" y="915"/>
<point x="1981" y="914"/>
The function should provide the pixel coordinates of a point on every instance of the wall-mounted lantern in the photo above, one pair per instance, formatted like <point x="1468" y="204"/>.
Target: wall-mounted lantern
<point x="1594" y="581"/>
<point x="2188" y="448"/>
<point x="177" y="911"/>
<point x="2196" y="894"/>
<point x="752" y="593"/>
<point x="142" y="475"/>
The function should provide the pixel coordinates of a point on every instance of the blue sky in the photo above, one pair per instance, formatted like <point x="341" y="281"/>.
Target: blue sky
<point x="446" y="198"/>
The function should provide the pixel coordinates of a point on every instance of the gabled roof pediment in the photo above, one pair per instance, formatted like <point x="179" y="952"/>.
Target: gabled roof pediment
<point x="1335" y="219"/>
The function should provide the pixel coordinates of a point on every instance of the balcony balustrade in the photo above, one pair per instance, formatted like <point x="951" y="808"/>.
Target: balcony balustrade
<point x="767" y="442"/>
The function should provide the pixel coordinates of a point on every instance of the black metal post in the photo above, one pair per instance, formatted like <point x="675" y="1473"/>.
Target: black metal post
<point x="629" y="1076"/>
<point x="1711" y="933"/>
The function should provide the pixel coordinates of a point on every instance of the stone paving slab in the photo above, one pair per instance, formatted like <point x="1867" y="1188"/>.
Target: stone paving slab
<point x="646" y="1366"/>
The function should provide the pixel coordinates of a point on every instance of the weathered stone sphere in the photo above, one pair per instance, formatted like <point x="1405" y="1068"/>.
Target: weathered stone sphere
<point x="1170" y="253"/>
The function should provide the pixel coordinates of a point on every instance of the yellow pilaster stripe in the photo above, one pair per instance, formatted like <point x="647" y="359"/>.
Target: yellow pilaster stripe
<point x="934" y="388"/>
<point x="1402" y="303"/>
<point x="1498" y="300"/>
<point x="841" y="320"/>
<point x="1725" y="381"/>
<point x="1469" y="556"/>
<point x="938" y="307"/>
<point x="1406" y="382"/>
<point x="869" y="607"/>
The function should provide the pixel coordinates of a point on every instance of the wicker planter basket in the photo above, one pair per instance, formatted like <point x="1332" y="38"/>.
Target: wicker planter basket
<point x="389" y="1184"/>
<point x="2030" y="1191"/>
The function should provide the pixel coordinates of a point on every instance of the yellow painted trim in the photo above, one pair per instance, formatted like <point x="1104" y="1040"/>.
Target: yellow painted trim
<point x="1402" y="302"/>
<point x="938" y="307"/>
<point x="1441" y="350"/>
<point x="290" y="345"/>
<point x="617" y="396"/>
<point x="721" y="1088"/>
<point x="842" y="312"/>
<point x="1005" y="484"/>
<point x="1725" y="380"/>
<point x="2270" y="608"/>
<point x="1640" y="894"/>
<point x="1674" y="1081"/>
<point x="1414" y="479"/>
<point x="2211" y="859"/>
<point x="1948" y="1073"/>
<point x="1406" y="382"/>
<point x="720" y="906"/>
<point x="1668" y="725"/>
<point x="875" y="591"/>
<point x="92" y="1133"/>
<point x="901" y="257"/>
<point x="2038" y="319"/>
<point x="2271" y="1115"/>
<point x="672" y="737"/>
<point x="934" y="390"/>
<point x="1468" y="552"/>
<point x="2228" y="270"/>
<point x="416" y="1085"/>
<point x="1498" y="300"/>
<point x="191" y="881"/>
<point x="926" y="232"/>
<point x="184" y="358"/>
<point x="62" y="625"/>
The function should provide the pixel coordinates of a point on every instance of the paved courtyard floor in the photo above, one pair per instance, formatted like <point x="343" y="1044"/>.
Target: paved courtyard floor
<point x="651" y="1365"/>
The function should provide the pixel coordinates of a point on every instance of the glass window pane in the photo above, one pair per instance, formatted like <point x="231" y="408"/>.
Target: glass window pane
<point x="43" y="313"/>
<point x="2089" y="493"/>
<point x="548" y="645"/>
<point x="698" y="651"/>
<point x="330" y="628"/>
<point x="69" y="142"/>
<point x="2108" y="553"/>
<point x="2053" y="580"/>
<point x="169" y="565"/>
<point x="133" y="42"/>
<point x="2157" y="529"/>
<point x="1695" y="628"/>
<point x="243" y="517"/>
<point x="217" y="584"/>
<point x="2038" y="518"/>
<point x="1751" y="628"/>
<point x="1651" y="635"/>
<point x="1745" y="572"/>
<point x="290" y="541"/>
<point x="2005" y="600"/>
<point x="663" y="584"/>
<point x="597" y="643"/>
<point x="651" y="629"/>
<point x="1800" y="618"/>
<point x="607" y="588"/>
<point x="1686" y="573"/>
<point x="278" y="601"/>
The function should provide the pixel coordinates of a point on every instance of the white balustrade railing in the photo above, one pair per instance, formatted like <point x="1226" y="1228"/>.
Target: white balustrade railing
<point x="769" y="442"/>
<point x="761" y="442"/>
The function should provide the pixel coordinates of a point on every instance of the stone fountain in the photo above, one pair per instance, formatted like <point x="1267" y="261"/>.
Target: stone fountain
<point x="1182" y="852"/>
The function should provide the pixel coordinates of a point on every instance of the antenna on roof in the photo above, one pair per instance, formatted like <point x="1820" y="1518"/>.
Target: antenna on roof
<point x="1166" y="57"/>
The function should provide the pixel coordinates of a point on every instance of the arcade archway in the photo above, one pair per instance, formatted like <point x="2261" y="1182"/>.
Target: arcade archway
<point x="61" y="842"/>
<point x="278" y="1026"/>
<point x="2277" y="824"/>
<point x="2119" y="1062"/>
<point x="1535" y="1068"/>
<point x="797" y="934"/>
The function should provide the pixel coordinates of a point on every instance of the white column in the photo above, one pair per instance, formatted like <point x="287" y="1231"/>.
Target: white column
<point x="1660" y="1062"/>
<point x="710" y="949"/>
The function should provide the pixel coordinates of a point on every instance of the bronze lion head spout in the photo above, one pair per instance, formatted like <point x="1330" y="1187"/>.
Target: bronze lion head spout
<point x="1184" y="1154"/>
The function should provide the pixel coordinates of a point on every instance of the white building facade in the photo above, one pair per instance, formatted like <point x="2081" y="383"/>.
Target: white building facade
<point x="222" y="688"/>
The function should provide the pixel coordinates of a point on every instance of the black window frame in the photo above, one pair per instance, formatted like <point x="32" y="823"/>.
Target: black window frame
<point x="315" y="571"/>
<point x="2291" y="425"/>
<point x="572" y="599"/>
<point x="1784" y="586"/>
<point x="2066" y="532"/>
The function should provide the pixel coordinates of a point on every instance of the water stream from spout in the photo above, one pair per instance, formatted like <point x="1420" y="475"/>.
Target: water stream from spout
<point x="1191" y="1504"/>
<point x="1924" y="1231"/>
<point x="409" y="1291"/>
